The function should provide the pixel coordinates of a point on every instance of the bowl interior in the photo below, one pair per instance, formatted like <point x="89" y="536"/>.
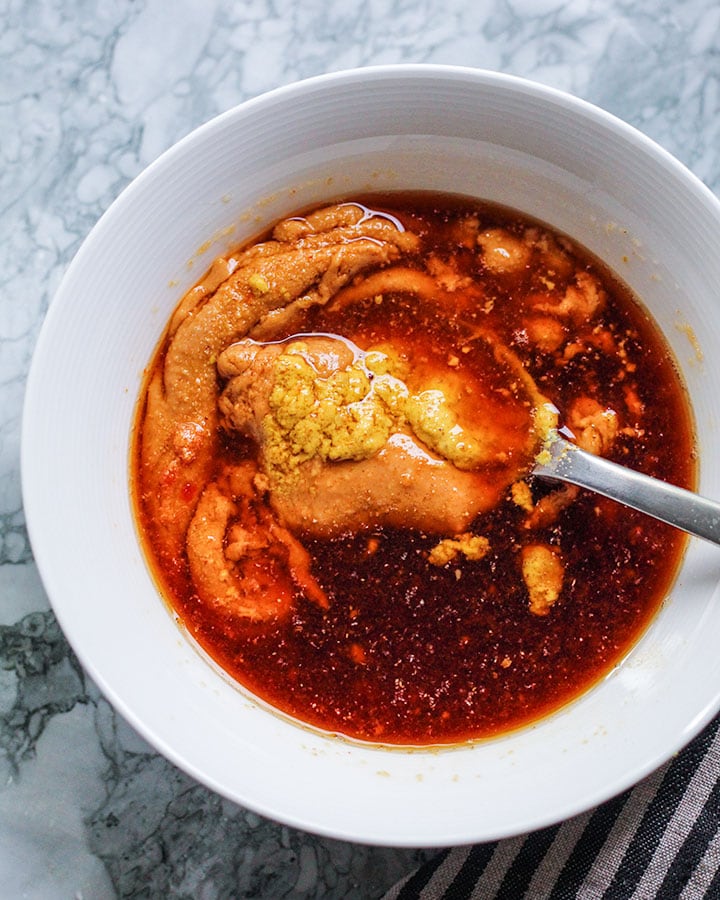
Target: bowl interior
<point x="386" y="129"/>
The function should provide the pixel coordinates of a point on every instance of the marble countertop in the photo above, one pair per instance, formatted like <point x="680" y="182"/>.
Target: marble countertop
<point x="89" y="95"/>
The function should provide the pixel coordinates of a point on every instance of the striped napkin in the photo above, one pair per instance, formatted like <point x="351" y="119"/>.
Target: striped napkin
<point x="661" y="839"/>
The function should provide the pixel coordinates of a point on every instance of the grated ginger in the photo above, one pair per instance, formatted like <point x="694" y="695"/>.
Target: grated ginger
<point x="350" y="413"/>
<point x="471" y="546"/>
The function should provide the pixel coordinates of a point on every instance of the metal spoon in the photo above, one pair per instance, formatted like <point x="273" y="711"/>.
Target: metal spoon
<point x="561" y="460"/>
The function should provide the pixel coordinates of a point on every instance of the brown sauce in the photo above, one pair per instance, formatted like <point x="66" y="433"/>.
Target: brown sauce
<point x="405" y="652"/>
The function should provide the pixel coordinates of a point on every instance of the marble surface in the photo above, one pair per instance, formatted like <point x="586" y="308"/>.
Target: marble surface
<point x="90" y="93"/>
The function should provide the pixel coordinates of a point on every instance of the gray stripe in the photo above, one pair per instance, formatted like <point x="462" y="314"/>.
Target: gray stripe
<point x="705" y="871"/>
<point x="547" y="873"/>
<point x="445" y="873"/>
<point x="681" y="821"/>
<point x="501" y="860"/>
<point x="623" y="831"/>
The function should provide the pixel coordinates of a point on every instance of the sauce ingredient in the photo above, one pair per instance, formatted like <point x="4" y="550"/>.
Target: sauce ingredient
<point x="331" y="468"/>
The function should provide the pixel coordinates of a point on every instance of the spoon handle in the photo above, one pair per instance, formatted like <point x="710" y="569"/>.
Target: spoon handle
<point x="566" y="462"/>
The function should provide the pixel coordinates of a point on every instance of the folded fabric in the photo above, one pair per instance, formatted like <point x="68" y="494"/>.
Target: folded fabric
<point x="660" y="839"/>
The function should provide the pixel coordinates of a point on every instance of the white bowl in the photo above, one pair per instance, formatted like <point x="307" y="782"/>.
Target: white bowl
<point x="388" y="128"/>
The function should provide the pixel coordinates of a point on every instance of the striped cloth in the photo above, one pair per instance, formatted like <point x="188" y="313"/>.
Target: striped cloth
<point x="659" y="840"/>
